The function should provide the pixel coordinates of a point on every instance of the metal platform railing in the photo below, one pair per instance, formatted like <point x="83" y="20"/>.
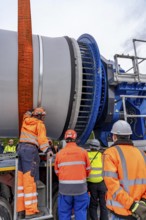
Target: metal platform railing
<point x="48" y="208"/>
<point x="124" y="106"/>
<point x="136" y="76"/>
<point x="48" y="189"/>
<point x="14" y="157"/>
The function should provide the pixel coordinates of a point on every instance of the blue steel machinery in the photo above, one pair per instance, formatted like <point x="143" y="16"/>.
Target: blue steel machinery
<point x="78" y="87"/>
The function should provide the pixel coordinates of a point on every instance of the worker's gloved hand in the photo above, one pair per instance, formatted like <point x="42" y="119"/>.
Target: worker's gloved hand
<point x="139" y="210"/>
<point x="143" y="201"/>
<point x="29" y="112"/>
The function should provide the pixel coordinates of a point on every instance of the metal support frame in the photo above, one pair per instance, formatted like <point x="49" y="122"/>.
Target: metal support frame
<point x="15" y="157"/>
<point x="48" y="187"/>
<point x="40" y="87"/>
<point x="135" y="52"/>
<point x="127" y="76"/>
<point x="15" y="189"/>
<point x="124" y="106"/>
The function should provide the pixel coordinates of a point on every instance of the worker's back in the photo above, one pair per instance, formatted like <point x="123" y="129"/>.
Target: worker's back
<point x="128" y="166"/>
<point x="96" y="185"/>
<point x="96" y="167"/>
<point x="30" y="125"/>
<point x="33" y="131"/>
<point x="73" y="165"/>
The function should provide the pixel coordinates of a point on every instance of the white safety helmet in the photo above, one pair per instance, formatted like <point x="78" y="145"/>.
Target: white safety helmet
<point x="94" y="143"/>
<point x="121" y="127"/>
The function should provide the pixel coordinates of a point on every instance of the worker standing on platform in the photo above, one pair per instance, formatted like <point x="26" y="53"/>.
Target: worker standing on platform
<point x="125" y="175"/>
<point x="32" y="138"/>
<point x="72" y="166"/>
<point x="10" y="148"/>
<point x="96" y="185"/>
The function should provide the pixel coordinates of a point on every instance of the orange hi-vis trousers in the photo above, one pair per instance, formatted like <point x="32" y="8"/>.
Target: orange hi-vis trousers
<point x="28" y="168"/>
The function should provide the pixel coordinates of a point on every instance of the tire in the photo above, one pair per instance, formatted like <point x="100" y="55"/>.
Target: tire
<point x="5" y="191"/>
<point x="5" y="210"/>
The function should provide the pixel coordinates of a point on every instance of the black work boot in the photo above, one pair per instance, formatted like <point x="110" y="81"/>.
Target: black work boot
<point x="38" y="214"/>
<point x="21" y="215"/>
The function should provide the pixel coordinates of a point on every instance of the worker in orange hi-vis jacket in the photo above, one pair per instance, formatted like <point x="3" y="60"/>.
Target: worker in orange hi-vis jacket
<point x="72" y="165"/>
<point x="125" y="175"/>
<point x="32" y="138"/>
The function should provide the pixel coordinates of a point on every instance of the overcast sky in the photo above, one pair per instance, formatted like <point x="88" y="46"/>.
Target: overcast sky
<point x="113" y="23"/>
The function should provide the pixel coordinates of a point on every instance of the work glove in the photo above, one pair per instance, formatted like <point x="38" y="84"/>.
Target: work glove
<point x="143" y="201"/>
<point x="139" y="209"/>
<point x="29" y="112"/>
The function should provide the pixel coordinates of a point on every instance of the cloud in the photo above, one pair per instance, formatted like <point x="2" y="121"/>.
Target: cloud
<point x="135" y="19"/>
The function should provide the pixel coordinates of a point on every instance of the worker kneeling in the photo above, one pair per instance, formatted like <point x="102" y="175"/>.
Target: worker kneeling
<point x="72" y="166"/>
<point x="125" y="175"/>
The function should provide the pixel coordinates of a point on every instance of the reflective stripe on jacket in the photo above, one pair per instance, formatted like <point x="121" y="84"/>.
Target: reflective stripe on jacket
<point x="10" y="149"/>
<point x="33" y="131"/>
<point x="72" y="166"/>
<point x="125" y="177"/>
<point x="96" y="167"/>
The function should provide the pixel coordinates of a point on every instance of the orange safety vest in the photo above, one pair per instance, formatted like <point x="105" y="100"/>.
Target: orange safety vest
<point x="125" y="177"/>
<point x="72" y="165"/>
<point x="33" y="131"/>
